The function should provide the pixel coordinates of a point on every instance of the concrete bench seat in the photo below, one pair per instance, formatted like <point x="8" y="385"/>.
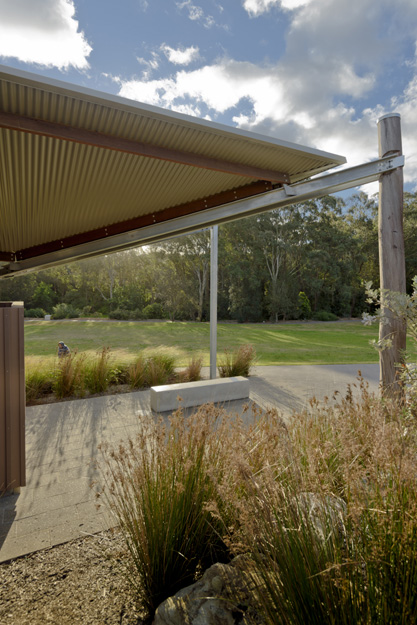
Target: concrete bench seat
<point x="165" y="397"/>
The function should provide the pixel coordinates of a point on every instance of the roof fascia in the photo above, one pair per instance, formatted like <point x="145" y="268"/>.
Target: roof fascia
<point x="139" y="108"/>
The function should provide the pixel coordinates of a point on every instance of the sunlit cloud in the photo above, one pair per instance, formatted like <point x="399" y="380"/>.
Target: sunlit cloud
<point x="180" y="56"/>
<point x="259" y="7"/>
<point x="316" y="93"/>
<point x="196" y="13"/>
<point x="44" y="32"/>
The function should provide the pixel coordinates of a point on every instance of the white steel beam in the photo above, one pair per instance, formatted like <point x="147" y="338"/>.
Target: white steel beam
<point x="283" y="196"/>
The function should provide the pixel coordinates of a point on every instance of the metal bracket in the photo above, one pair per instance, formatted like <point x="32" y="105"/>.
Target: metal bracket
<point x="14" y="266"/>
<point x="289" y="190"/>
<point x="385" y="166"/>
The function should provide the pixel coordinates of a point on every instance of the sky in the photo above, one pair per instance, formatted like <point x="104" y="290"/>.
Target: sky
<point x="315" y="72"/>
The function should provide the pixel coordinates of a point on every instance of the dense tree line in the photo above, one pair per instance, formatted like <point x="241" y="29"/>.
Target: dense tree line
<point x="285" y="264"/>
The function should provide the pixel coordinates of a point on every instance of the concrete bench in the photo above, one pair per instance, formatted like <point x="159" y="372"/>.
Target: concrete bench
<point x="165" y="397"/>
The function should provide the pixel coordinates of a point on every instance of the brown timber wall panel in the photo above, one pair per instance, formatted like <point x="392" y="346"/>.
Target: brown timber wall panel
<point x="12" y="398"/>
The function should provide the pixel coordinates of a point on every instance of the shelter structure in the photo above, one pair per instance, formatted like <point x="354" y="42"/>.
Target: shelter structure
<point x="84" y="173"/>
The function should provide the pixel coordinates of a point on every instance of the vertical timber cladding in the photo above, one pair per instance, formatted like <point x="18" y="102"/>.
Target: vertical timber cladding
<point x="12" y="397"/>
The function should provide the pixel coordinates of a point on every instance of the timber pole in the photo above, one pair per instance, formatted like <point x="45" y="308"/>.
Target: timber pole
<point x="214" y="236"/>
<point x="391" y="252"/>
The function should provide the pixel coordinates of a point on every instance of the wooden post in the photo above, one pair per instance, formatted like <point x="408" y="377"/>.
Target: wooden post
<point x="391" y="251"/>
<point x="12" y="398"/>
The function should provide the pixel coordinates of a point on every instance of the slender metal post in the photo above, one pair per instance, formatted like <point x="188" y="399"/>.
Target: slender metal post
<point x="391" y="250"/>
<point x="214" y="235"/>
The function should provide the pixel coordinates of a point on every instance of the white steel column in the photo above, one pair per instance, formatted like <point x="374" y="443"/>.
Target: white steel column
<point x="214" y="236"/>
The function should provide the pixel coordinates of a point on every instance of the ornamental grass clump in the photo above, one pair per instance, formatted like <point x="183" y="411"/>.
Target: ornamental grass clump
<point x="162" y="489"/>
<point x="69" y="376"/>
<point x="151" y="371"/>
<point x="332" y="524"/>
<point x="193" y="371"/>
<point x="99" y="372"/>
<point x="159" y="369"/>
<point x="38" y="377"/>
<point x="137" y="373"/>
<point x="237" y="362"/>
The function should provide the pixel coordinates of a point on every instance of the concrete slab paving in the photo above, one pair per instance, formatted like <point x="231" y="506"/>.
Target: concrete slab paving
<point x="59" y="502"/>
<point x="290" y="388"/>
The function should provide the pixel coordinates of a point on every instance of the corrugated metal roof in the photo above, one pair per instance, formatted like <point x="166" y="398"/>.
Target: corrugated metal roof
<point x="74" y="161"/>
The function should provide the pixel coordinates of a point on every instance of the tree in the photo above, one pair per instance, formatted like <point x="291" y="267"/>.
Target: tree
<point x="241" y="253"/>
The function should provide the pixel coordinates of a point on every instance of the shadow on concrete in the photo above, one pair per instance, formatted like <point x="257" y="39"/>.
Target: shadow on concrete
<point x="8" y="503"/>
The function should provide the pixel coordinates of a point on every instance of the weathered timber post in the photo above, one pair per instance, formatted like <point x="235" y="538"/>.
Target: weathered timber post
<point x="391" y="251"/>
<point x="12" y="398"/>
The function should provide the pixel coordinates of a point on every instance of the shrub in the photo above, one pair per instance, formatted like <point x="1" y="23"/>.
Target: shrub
<point x="402" y="308"/>
<point x="65" y="311"/>
<point x="162" y="490"/>
<point x="121" y="314"/>
<point x="37" y="313"/>
<point x="304" y="306"/>
<point x="324" y="315"/>
<point x="120" y="371"/>
<point x="153" y="311"/>
<point x="237" y="362"/>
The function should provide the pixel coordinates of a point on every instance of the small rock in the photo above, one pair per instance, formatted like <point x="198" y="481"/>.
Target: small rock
<point x="223" y="596"/>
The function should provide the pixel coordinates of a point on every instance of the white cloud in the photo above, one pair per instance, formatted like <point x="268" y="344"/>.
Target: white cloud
<point x="258" y="7"/>
<point x="180" y="56"/>
<point x="150" y="64"/>
<point x="196" y="13"/>
<point x="220" y="87"/>
<point x="406" y="106"/>
<point x="44" y="32"/>
<point x="336" y="56"/>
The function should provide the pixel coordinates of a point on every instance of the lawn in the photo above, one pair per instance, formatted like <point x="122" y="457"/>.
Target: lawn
<point x="276" y="344"/>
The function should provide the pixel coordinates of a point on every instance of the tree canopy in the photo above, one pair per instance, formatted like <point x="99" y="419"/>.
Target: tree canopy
<point x="285" y="264"/>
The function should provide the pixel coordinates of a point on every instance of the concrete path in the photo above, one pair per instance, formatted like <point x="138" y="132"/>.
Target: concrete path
<point x="58" y="502"/>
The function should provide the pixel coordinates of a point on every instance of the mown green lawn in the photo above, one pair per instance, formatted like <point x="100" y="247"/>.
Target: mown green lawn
<point x="276" y="344"/>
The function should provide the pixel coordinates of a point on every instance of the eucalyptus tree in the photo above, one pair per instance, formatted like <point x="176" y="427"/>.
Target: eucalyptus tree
<point x="275" y="237"/>
<point x="361" y="222"/>
<point x="410" y="237"/>
<point x="242" y="274"/>
<point x="187" y="261"/>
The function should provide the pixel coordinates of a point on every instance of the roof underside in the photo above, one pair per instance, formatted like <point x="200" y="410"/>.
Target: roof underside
<point x="78" y="166"/>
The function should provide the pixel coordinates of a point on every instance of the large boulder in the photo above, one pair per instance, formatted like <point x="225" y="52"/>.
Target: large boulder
<point x="223" y="596"/>
<point x="325" y="514"/>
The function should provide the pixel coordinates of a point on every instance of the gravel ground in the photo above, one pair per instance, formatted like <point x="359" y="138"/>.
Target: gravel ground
<point x="78" y="583"/>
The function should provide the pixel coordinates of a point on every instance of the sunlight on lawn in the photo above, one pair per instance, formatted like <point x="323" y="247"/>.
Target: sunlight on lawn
<point x="336" y="343"/>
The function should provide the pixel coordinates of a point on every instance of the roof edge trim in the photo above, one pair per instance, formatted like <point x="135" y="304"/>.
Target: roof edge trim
<point x="105" y="99"/>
